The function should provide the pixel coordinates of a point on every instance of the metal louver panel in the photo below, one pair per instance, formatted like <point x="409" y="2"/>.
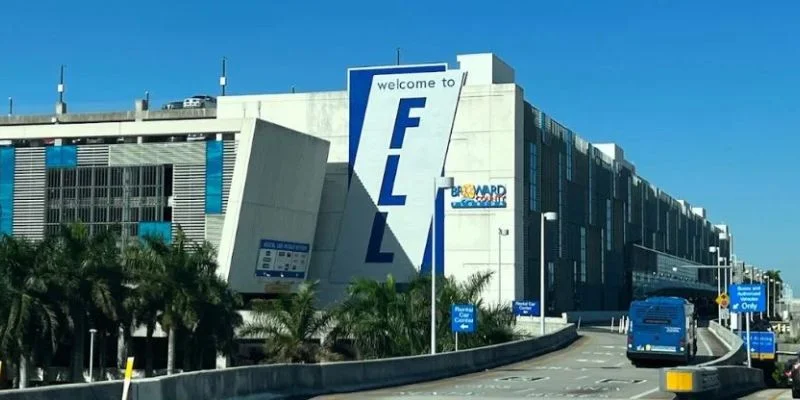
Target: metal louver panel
<point x="229" y="150"/>
<point x="29" y="192"/>
<point x="214" y="228"/>
<point x="93" y="154"/>
<point x="157" y="153"/>
<point x="188" y="195"/>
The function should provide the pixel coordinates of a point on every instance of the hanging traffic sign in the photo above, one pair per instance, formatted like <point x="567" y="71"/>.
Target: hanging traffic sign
<point x="748" y="298"/>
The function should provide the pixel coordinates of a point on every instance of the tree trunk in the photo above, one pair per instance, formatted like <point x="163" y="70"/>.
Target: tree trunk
<point x="122" y="349"/>
<point x="77" y="349"/>
<point x="171" y="351"/>
<point x="23" y="372"/>
<point x="101" y="354"/>
<point x="148" y="350"/>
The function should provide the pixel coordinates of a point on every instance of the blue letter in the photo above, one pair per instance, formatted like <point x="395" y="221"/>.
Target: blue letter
<point x="403" y="121"/>
<point x="386" y="197"/>
<point x="374" y="254"/>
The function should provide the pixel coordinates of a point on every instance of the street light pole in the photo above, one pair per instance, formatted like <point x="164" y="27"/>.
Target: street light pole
<point x="500" y="233"/>
<point x="548" y="216"/>
<point x="92" y="332"/>
<point x="439" y="182"/>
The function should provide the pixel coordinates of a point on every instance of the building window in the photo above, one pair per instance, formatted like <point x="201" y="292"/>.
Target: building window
<point x="591" y="186"/>
<point x="625" y="226"/>
<point x="608" y="224"/>
<point x="570" y="146"/>
<point x="534" y="178"/>
<point x="560" y="203"/>
<point x="602" y="258"/>
<point x="583" y="255"/>
<point x="669" y="233"/>
<point x="630" y="198"/>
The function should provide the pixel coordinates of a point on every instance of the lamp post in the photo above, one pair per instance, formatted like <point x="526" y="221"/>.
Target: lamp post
<point x="716" y="250"/>
<point x="92" y="332"/>
<point x="439" y="182"/>
<point x="547" y="216"/>
<point x="500" y="233"/>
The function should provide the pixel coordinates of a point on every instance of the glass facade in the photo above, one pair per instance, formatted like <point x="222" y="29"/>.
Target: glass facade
<point x="605" y="213"/>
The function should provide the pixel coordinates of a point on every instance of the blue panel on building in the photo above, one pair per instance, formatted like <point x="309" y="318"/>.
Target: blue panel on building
<point x="61" y="156"/>
<point x="214" y="177"/>
<point x="7" y="158"/>
<point x="162" y="229"/>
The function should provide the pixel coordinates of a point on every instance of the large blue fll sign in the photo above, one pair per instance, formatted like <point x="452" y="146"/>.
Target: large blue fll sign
<point x="401" y="119"/>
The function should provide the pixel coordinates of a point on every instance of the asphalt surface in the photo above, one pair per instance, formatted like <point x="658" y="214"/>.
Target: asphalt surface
<point x="594" y="367"/>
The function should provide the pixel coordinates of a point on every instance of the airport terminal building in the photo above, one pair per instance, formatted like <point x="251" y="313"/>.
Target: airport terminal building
<point x="335" y="185"/>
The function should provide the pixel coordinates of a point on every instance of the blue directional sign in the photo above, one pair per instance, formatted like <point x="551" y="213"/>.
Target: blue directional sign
<point x="762" y="344"/>
<point x="525" y="308"/>
<point x="462" y="318"/>
<point x="750" y="297"/>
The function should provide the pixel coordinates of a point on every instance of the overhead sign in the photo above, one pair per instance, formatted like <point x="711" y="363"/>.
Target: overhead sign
<point x="478" y="196"/>
<point x="400" y="122"/>
<point x="747" y="297"/>
<point x="525" y="308"/>
<point x="462" y="317"/>
<point x="282" y="261"/>
<point x="762" y="344"/>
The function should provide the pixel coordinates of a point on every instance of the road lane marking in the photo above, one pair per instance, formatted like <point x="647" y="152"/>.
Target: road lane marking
<point x="649" y="392"/>
<point x="581" y="377"/>
<point x="591" y="361"/>
<point x="705" y="344"/>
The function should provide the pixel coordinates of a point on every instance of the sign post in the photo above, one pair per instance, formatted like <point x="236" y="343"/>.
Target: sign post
<point x="462" y="319"/>
<point x="747" y="299"/>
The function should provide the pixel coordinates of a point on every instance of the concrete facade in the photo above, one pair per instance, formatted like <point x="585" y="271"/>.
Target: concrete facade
<point x="510" y="162"/>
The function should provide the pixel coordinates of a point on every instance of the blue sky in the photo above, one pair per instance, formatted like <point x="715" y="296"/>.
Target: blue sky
<point x="703" y="96"/>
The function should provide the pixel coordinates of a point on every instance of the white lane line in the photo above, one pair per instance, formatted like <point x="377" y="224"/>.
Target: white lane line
<point x="581" y="377"/>
<point x="705" y="344"/>
<point x="640" y="395"/>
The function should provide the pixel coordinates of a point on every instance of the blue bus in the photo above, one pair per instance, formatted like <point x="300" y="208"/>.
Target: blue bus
<point x="662" y="329"/>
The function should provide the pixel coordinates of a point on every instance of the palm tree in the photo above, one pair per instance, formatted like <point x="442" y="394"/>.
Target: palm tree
<point x="28" y="321"/>
<point x="86" y="279"/>
<point x="178" y="286"/>
<point x="290" y="324"/>
<point x="382" y="320"/>
<point x="495" y="323"/>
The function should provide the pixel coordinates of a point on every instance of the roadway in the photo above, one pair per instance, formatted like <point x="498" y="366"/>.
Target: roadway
<point x="594" y="367"/>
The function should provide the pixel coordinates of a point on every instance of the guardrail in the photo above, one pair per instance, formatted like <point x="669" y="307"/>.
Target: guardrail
<point x="285" y="380"/>
<point x="737" y="353"/>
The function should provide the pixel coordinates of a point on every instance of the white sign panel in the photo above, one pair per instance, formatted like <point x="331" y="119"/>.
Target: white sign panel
<point x="396" y="153"/>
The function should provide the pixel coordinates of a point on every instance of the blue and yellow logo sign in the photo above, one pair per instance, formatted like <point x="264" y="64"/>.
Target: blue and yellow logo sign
<point x="478" y="196"/>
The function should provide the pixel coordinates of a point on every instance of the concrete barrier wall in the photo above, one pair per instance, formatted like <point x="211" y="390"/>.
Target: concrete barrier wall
<point x="739" y="381"/>
<point x="308" y="379"/>
<point x="737" y="353"/>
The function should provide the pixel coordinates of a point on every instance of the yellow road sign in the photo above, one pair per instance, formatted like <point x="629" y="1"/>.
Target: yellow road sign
<point x="723" y="300"/>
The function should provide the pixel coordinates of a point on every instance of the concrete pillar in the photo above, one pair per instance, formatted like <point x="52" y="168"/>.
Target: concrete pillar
<point x="141" y="106"/>
<point x="61" y="108"/>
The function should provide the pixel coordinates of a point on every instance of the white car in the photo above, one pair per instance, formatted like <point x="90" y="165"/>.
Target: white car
<point x="200" y="102"/>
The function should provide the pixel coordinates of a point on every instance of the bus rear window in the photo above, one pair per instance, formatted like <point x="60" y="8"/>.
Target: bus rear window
<point x="656" y="321"/>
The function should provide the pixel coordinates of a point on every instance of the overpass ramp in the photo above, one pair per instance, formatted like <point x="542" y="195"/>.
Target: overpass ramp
<point x="594" y="367"/>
